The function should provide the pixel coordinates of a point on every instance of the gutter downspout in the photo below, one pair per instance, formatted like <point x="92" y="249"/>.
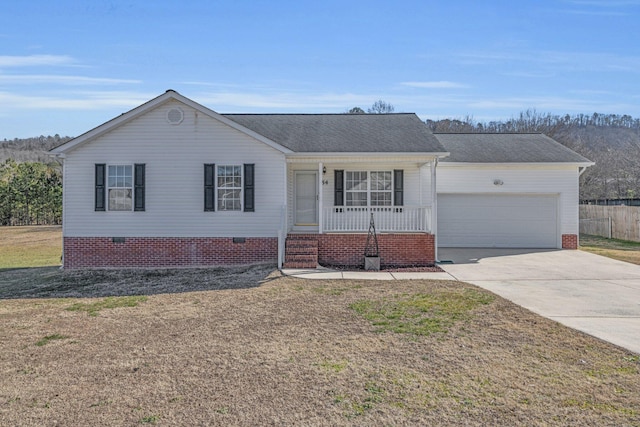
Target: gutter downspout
<point x="320" y="201"/>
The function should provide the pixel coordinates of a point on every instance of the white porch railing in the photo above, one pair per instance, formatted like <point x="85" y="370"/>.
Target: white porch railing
<point x="386" y="218"/>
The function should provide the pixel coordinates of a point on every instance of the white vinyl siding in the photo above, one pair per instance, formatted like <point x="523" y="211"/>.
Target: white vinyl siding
<point x="174" y="157"/>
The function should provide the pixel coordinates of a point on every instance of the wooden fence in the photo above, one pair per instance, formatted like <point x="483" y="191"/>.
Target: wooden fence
<point x="618" y="222"/>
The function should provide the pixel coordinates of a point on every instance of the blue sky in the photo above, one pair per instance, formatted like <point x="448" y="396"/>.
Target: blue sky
<point x="67" y="66"/>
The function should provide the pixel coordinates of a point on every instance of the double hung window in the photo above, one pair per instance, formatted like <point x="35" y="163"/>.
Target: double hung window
<point x="229" y="187"/>
<point x="120" y="187"/>
<point x="364" y="188"/>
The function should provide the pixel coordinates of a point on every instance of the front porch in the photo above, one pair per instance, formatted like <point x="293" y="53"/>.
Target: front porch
<point x="330" y="205"/>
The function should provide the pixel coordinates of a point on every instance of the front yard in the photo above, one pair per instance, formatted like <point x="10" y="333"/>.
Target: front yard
<point x="247" y="346"/>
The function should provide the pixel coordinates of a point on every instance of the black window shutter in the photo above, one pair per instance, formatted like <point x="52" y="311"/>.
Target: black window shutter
<point x="138" y="187"/>
<point x="398" y="187"/>
<point x="249" y="188"/>
<point x="209" y="187"/>
<point x="100" y="193"/>
<point x="338" y="193"/>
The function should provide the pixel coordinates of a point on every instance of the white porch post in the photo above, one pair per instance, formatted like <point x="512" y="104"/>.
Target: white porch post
<point x="434" y="207"/>
<point x="284" y="213"/>
<point x="320" y="206"/>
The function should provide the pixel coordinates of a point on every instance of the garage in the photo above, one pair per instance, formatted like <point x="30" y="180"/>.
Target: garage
<point x="498" y="220"/>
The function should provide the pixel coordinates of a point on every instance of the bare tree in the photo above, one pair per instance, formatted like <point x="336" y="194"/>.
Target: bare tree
<point x="381" y="107"/>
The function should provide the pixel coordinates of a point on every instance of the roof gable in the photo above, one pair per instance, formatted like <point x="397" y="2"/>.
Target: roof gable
<point x="506" y="148"/>
<point x="150" y="105"/>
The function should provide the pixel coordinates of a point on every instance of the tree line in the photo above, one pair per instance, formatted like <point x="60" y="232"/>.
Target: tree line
<point x="30" y="193"/>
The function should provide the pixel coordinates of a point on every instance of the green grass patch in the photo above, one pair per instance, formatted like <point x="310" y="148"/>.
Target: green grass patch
<point x="46" y="340"/>
<point x="622" y="250"/>
<point x="93" y="308"/>
<point x="150" y="419"/>
<point x="421" y="314"/>
<point x="335" y="366"/>
<point x="33" y="246"/>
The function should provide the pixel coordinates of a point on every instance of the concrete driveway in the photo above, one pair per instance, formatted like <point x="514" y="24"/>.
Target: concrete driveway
<point x="591" y="293"/>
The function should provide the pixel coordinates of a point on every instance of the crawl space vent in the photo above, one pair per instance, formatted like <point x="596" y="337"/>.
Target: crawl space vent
<point x="175" y="116"/>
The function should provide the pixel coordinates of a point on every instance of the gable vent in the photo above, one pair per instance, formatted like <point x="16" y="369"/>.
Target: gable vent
<point x="175" y="116"/>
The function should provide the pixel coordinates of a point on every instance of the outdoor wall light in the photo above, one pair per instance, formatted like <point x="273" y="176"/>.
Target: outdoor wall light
<point x="498" y="182"/>
<point x="324" y="169"/>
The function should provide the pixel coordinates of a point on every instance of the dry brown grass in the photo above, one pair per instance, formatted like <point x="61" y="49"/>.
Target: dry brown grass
<point x="295" y="352"/>
<point x="33" y="246"/>
<point x="622" y="250"/>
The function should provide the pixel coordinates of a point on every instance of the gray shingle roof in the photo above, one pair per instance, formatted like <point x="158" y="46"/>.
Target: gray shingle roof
<point x="506" y="148"/>
<point x="343" y="133"/>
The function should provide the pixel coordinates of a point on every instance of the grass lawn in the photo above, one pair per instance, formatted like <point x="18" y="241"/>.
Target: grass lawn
<point x="622" y="250"/>
<point x="34" y="246"/>
<point x="250" y="347"/>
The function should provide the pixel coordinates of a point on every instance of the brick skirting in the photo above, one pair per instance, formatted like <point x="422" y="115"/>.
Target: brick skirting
<point x="569" y="241"/>
<point x="406" y="249"/>
<point x="147" y="252"/>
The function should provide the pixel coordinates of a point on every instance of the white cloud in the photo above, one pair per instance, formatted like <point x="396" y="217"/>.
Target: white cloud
<point x="66" y="80"/>
<point x="435" y="85"/>
<point x="35" y="60"/>
<point x="78" y="101"/>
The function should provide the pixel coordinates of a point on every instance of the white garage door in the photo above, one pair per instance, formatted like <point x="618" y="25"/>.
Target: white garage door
<point x="497" y="221"/>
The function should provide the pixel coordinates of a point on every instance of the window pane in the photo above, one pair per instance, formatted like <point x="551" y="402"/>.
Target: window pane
<point x="120" y="200"/>
<point x="379" y="198"/>
<point x="356" y="199"/>
<point x="381" y="180"/>
<point x="229" y="200"/>
<point x="356" y="180"/>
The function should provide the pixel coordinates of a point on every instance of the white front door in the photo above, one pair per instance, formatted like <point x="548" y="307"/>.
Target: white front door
<point x="306" y="198"/>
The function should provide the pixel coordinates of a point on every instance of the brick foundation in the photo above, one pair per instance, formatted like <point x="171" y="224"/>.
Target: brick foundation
<point x="569" y="241"/>
<point x="148" y="252"/>
<point x="396" y="250"/>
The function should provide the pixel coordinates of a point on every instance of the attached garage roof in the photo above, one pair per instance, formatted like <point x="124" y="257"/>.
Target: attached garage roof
<point x="343" y="133"/>
<point x="506" y="148"/>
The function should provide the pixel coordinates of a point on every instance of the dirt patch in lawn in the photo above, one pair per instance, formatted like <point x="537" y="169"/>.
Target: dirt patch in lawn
<point x="285" y="351"/>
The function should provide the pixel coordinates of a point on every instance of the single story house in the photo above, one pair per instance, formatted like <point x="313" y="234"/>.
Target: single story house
<point x="172" y="183"/>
